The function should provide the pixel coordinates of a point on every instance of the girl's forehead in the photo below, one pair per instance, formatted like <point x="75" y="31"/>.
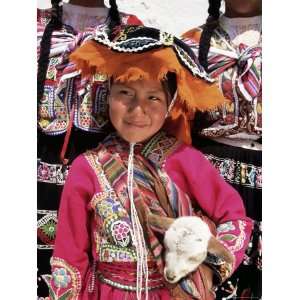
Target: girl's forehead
<point x="154" y="85"/>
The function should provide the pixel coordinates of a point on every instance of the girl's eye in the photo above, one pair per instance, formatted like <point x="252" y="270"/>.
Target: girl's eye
<point x="126" y="93"/>
<point x="154" y="98"/>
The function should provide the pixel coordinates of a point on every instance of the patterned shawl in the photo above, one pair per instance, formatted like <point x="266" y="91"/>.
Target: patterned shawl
<point x="153" y="192"/>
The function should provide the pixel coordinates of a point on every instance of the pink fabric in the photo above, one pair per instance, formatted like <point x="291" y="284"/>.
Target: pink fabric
<point x="191" y="172"/>
<point x="73" y="240"/>
<point x="194" y="174"/>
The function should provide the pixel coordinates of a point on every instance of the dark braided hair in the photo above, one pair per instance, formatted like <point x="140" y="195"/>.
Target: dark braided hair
<point x="209" y="27"/>
<point x="201" y="119"/>
<point x="55" y="23"/>
<point x="114" y="18"/>
<point x="43" y="61"/>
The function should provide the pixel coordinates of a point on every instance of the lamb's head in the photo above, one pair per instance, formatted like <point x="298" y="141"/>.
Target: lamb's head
<point x="186" y="243"/>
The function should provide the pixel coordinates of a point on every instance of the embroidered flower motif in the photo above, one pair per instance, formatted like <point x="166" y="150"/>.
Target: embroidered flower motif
<point x="104" y="209"/>
<point x="49" y="229"/>
<point x="121" y="233"/>
<point x="61" y="277"/>
<point x="46" y="228"/>
<point x="43" y="172"/>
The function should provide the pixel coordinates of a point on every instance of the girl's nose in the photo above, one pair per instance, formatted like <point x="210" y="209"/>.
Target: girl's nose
<point x="138" y="105"/>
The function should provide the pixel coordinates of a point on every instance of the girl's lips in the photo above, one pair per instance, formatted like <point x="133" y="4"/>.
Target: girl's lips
<point x="136" y="124"/>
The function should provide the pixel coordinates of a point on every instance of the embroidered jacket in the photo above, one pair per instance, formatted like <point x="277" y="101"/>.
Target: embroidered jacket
<point x="69" y="99"/>
<point x="238" y="69"/>
<point x="94" y="224"/>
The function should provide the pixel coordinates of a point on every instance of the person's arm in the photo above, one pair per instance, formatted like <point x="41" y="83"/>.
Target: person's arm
<point x="220" y="202"/>
<point x="70" y="261"/>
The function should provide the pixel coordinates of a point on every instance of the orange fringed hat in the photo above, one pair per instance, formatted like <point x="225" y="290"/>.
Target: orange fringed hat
<point x="131" y="53"/>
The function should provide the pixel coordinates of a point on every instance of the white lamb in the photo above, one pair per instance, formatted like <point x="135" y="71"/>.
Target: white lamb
<point x="187" y="241"/>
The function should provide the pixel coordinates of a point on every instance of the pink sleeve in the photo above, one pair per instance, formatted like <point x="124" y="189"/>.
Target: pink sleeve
<point x="195" y="175"/>
<point x="70" y="261"/>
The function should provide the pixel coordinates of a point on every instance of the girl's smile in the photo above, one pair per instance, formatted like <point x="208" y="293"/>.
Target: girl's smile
<point x="137" y="109"/>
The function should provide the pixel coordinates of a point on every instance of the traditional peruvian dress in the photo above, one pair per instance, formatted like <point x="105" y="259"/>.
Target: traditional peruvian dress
<point x="95" y="257"/>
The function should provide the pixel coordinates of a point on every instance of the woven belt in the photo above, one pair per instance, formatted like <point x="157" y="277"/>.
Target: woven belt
<point x="122" y="275"/>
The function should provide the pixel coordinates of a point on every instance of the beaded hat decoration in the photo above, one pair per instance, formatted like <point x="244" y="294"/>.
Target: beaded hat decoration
<point x="130" y="53"/>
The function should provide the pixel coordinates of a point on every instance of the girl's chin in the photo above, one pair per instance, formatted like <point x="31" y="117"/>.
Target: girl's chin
<point x="136" y="138"/>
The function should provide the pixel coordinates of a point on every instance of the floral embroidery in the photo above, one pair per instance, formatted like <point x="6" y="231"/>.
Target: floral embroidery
<point x="116" y="222"/>
<point x="234" y="241"/>
<point x="53" y="109"/>
<point x="46" y="228"/>
<point x="61" y="278"/>
<point x="121" y="233"/>
<point x="108" y="205"/>
<point x="66" y="295"/>
<point x="49" y="229"/>
<point x="64" y="276"/>
<point x="51" y="173"/>
<point x="226" y="227"/>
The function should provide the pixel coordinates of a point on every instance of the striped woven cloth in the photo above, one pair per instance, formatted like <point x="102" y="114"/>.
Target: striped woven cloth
<point x="242" y="62"/>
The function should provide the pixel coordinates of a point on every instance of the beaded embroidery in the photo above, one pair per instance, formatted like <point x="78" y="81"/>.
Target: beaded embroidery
<point x="64" y="88"/>
<point x="110" y="253"/>
<point x="237" y="172"/>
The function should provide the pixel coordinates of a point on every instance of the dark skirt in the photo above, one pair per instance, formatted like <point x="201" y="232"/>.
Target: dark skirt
<point x="242" y="169"/>
<point x="51" y="175"/>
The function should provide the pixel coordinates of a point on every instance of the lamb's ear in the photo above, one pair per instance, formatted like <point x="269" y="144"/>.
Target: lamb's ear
<point x="217" y="248"/>
<point x="159" y="223"/>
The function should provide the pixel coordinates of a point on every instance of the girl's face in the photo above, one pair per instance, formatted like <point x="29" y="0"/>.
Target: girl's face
<point x="137" y="109"/>
<point x="243" y="8"/>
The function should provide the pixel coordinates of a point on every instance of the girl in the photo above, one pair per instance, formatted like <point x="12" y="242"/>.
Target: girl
<point x="62" y="103"/>
<point x="230" y="137"/>
<point x="105" y="246"/>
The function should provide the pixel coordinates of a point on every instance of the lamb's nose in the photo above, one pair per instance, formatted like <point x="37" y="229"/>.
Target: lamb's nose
<point x="170" y="276"/>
